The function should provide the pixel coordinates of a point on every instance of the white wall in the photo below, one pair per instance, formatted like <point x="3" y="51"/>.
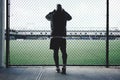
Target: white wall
<point x="1" y="32"/>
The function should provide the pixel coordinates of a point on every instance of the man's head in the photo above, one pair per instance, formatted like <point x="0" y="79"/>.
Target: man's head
<point x="59" y="7"/>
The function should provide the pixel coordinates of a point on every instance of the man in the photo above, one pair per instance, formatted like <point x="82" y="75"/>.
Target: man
<point x="58" y="20"/>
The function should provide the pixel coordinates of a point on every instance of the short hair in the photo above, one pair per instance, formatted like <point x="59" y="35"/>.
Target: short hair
<point x="58" y="5"/>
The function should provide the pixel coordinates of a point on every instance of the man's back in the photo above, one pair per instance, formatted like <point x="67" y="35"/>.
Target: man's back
<point x="58" y="22"/>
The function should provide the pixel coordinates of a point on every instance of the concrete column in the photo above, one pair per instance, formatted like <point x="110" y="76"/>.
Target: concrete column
<point x="2" y="18"/>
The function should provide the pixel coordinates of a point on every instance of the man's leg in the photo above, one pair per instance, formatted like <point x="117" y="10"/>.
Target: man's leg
<point x="64" y="56"/>
<point x="56" y="59"/>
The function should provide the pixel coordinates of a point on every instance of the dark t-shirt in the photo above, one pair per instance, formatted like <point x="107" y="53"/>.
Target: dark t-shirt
<point x="58" y="22"/>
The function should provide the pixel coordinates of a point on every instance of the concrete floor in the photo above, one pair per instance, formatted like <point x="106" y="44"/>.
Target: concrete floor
<point x="49" y="73"/>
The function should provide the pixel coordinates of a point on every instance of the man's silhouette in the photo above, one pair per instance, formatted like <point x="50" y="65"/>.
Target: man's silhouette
<point x="58" y="20"/>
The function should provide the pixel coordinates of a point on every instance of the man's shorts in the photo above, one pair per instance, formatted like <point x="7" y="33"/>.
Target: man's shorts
<point x="56" y="43"/>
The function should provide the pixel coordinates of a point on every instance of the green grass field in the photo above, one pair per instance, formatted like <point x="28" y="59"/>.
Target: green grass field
<point x="80" y="52"/>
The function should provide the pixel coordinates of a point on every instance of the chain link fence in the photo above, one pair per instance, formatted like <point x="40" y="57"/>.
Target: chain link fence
<point x="114" y="53"/>
<point x="86" y="32"/>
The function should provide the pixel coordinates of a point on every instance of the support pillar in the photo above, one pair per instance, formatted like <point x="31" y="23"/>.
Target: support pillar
<point x="2" y="20"/>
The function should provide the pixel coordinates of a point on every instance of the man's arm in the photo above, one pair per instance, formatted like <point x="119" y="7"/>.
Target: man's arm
<point x="49" y="16"/>
<point x="68" y="16"/>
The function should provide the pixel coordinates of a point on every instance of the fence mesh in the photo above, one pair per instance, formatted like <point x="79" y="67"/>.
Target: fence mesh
<point x="115" y="26"/>
<point x="86" y="33"/>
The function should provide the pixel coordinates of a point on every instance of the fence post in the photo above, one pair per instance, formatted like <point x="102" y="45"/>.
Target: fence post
<point x="7" y="32"/>
<point x="107" y="34"/>
<point x="2" y="16"/>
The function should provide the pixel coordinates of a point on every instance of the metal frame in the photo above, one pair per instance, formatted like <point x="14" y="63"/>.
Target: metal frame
<point x="107" y="34"/>
<point x="67" y="65"/>
<point x="7" y="33"/>
<point x="8" y="40"/>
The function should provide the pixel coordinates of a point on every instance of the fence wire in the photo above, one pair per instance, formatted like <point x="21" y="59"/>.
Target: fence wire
<point x="114" y="25"/>
<point x="86" y="32"/>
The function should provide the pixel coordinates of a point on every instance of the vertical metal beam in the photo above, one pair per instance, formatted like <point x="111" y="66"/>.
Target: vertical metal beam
<point x="7" y="33"/>
<point x="2" y="32"/>
<point x="107" y="35"/>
